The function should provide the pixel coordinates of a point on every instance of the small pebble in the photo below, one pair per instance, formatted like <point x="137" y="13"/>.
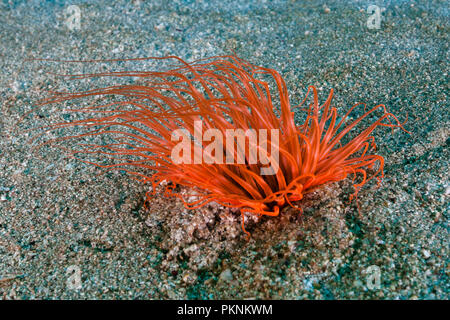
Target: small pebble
<point x="226" y="275"/>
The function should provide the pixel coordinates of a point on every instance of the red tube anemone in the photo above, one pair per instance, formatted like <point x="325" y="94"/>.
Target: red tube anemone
<point x="225" y="93"/>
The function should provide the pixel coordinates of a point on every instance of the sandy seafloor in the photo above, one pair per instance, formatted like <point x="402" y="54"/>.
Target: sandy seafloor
<point x="57" y="214"/>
